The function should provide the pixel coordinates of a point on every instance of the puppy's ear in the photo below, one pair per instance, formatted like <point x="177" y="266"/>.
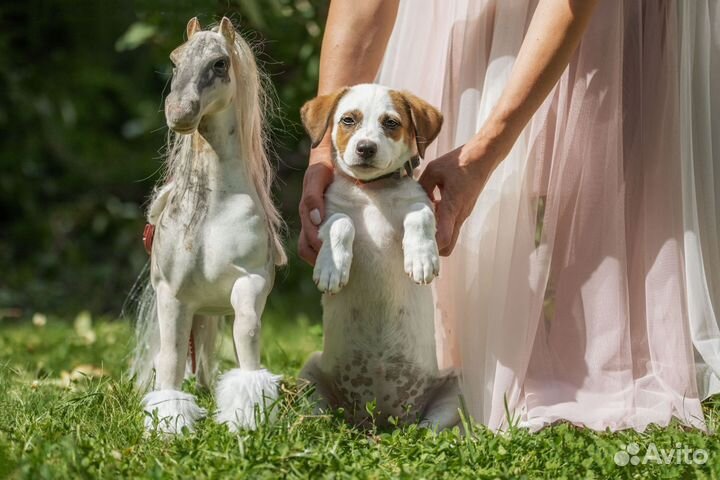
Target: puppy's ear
<point x="317" y="114"/>
<point x="427" y="121"/>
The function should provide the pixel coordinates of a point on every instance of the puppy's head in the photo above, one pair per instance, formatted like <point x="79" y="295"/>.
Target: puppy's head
<point x="374" y="129"/>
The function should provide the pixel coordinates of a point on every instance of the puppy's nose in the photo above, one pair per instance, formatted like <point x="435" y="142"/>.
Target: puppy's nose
<point x="366" y="149"/>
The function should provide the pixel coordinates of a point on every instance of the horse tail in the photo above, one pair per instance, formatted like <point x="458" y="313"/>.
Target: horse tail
<point x="203" y="342"/>
<point x="147" y="331"/>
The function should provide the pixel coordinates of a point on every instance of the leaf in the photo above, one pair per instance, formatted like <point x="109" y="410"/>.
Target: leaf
<point x="137" y="34"/>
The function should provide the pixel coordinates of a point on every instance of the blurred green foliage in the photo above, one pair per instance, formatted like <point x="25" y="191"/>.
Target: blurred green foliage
<point x="81" y="125"/>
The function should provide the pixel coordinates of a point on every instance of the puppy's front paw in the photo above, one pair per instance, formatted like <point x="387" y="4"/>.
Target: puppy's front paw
<point x="422" y="261"/>
<point x="332" y="270"/>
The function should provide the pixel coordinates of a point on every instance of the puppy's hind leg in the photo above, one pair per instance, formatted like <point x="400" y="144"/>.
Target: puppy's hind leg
<point x="443" y="410"/>
<point x="241" y="390"/>
<point x="311" y="374"/>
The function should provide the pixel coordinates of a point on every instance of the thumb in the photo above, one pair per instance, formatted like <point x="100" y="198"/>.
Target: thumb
<point x="445" y="224"/>
<point x="312" y="206"/>
<point x="311" y="216"/>
<point x="317" y="179"/>
<point x="315" y="207"/>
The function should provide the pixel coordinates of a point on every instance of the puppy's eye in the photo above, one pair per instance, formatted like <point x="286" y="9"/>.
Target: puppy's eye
<point x="391" y="124"/>
<point x="348" y="121"/>
<point x="220" y="66"/>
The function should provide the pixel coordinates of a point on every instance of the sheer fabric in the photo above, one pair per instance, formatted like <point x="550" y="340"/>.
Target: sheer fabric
<point x="585" y="284"/>
<point x="700" y="129"/>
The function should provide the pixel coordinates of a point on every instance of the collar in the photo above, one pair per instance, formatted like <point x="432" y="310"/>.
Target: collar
<point x="408" y="167"/>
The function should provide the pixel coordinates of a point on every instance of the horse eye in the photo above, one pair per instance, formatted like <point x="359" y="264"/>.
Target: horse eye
<point x="349" y="121"/>
<point x="220" y="66"/>
<point x="391" y="124"/>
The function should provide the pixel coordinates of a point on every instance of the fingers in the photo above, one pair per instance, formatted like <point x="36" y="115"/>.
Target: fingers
<point x="446" y="250"/>
<point x="306" y="252"/>
<point x="460" y="218"/>
<point x="312" y="210"/>
<point x="445" y="217"/>
<point x="309" y="242"/>
<point x="445" y="214"/>
<point x="430" y="179"/>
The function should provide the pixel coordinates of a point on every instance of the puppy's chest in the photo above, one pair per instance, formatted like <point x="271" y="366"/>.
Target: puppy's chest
<point x="378" y="228"/>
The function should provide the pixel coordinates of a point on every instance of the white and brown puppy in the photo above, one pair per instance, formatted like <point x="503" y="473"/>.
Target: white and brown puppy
<point x="379" y="230"/>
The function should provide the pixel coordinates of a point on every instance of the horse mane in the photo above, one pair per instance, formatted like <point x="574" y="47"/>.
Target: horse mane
<point x="252" y="100"/>
<point x="253" y="138"/>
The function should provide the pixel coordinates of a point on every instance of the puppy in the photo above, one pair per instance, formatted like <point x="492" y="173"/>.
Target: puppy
<point x="377" y="258"/>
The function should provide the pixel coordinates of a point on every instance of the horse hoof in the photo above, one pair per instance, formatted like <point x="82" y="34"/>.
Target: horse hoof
<point x="244" y="397"/>
<point x="169" y="411"/>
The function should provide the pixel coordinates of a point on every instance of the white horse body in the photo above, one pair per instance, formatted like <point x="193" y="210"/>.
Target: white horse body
<point x="216" y="242"/>
<point x="231" y="241"/>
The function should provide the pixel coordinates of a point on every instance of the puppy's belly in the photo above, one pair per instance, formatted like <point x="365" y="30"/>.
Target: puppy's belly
<point x="379" y="339"/>
<point x="398" y="387"/>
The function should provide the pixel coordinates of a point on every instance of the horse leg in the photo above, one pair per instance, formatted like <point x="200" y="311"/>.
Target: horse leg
<point x="174" y="408"/>
<point x="204" y="332"/>
<point x="241" y="390"/>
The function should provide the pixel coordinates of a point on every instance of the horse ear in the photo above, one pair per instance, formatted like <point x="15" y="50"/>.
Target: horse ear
<point x="193" y="27"/>
<point x="317" y="113"/>
<point x="227" y="30"/>
<point x="427" y="121"/>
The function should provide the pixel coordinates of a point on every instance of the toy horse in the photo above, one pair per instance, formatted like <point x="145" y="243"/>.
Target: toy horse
<point x="216" y="240"/>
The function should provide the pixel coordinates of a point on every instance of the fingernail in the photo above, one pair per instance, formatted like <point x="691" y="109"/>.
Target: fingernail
<point x="315" y="217"/>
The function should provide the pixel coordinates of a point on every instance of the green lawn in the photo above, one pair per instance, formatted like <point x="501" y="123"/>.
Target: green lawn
<point x="58" y="423"/>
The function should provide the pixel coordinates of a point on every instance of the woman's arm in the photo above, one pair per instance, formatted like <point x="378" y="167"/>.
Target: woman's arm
<point x="554" y="33"/>
<point x="356" y="34"/>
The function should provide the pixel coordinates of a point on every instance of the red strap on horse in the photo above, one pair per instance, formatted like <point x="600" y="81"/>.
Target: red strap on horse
<point x="193" y="363"/>
<point x="147" y="237"/>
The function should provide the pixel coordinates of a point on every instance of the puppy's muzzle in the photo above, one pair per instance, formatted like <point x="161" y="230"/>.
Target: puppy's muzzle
<point x="366" y="149"/>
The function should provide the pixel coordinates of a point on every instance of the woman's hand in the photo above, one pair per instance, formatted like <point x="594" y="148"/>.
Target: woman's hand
<point x="459" y="176"/>
<point x="318" y="177"/>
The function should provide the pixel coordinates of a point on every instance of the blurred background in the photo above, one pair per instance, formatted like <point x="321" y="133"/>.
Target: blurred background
<point x="82" y="85"/>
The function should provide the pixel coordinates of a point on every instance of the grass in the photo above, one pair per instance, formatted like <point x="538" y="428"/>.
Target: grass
<point x="56" y="422"/>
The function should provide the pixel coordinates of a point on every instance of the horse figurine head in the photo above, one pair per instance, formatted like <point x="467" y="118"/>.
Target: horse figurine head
<point x="203" y="79"/>
<point x="217" y="104"/>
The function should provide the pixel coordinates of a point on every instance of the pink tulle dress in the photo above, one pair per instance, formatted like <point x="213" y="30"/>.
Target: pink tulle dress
<point x="585" y="286"/>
